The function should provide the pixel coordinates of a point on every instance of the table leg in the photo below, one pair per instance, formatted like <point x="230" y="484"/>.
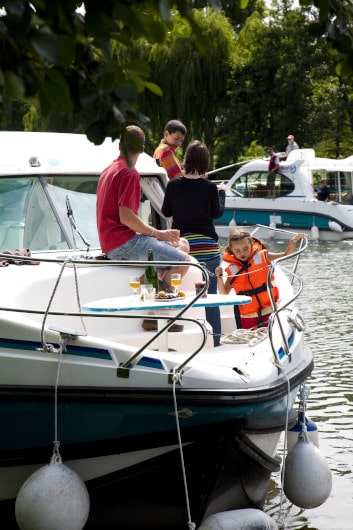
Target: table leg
<point x="163" y="338"/>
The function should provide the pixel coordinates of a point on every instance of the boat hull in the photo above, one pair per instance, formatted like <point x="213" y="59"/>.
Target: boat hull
<point x="94" y="422"/>
<point x="331" y="220"/>
<point x="224" y="470"/>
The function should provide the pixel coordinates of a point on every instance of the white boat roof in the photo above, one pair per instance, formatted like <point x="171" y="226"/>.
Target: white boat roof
<point x="62" y="153"/>
<point x="315" y="163"/>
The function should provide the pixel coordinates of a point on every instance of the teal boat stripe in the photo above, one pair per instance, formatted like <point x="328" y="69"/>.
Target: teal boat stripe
<point x="80" y="351"/>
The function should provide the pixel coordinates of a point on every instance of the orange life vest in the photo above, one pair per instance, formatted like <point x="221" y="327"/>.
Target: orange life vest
<point x="250" y="279"/>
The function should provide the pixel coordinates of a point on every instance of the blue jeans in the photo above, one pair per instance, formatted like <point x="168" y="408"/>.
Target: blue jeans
<point x="137" y="247"/>
<point x="213" y="314"/>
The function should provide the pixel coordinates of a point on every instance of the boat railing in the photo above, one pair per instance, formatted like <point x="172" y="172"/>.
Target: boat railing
<point x="278" y="309"/>
<point x="84" y="260"/>
<point x="78" y="261"/>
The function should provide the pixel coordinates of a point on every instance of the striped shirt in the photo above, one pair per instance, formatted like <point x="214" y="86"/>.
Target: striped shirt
<point x="167" y="158"/>
<point x="202" y="247"/>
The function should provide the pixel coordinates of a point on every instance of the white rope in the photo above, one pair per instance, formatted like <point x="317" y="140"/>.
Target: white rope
<point x="281" y="517"/>
<point x="245" y="336"/>
<point x="56" y="457"/>
<point x="49" y="347"/>
<point x="238" y="275"/>
<point x="176" y="379"/>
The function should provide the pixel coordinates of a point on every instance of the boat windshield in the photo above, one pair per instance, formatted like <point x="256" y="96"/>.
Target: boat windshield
<point x="254" y="184"/>
<point x="34" y="212"/>
<point x="54" y="212"/>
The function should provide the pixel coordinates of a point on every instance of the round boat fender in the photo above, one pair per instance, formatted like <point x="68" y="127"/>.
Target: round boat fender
<point x="307" y="477"/>
<point x="271" y="233"/>
<point x="52" y="497"/>
<point x="335" y="227"/>
<point x="315" y="233"/>
<point x="243" y="519"/>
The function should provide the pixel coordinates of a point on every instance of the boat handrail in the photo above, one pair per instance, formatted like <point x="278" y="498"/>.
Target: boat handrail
<point x="274" y="317"/>
<point x="83" y="260"/>
<point x="126" y="365"/>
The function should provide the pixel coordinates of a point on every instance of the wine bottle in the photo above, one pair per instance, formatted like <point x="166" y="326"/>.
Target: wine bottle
<point x="151" y="272"/>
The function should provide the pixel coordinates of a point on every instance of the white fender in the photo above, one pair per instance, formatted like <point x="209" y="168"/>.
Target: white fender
<point x="243" y="519"/>
<point x="315" y="234"/>
<point x="335" y="227"/>
<point x="307" y="477"/>
<point x="52" y="497"/>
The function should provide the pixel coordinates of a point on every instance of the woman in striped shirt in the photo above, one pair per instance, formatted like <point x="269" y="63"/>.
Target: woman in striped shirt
<point x="194" y="202"/>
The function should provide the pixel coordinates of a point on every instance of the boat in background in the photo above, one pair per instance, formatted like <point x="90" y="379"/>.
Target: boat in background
<point x="294" y="207"/>
<point x="125" y="411"/>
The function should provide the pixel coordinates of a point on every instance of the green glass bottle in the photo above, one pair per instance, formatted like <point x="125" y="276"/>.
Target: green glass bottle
<point x="151" y="272"/>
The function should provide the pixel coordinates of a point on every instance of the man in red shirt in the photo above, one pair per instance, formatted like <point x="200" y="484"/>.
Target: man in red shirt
<point x="122" y="234"/>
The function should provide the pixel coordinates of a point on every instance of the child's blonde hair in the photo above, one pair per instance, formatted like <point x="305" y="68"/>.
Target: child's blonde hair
<point x="239" y="235"/>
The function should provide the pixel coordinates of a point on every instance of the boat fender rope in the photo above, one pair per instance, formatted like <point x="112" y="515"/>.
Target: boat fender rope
<point x="245" y="336"/>
<point x="56" y="457"/>
<point x="281" y="517"/>
<point x="177" y="379"/>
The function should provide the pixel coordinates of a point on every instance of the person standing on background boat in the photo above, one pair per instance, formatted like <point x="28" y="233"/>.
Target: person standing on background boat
<point x="194" y="202"/>
<point x="122" y="234"/>
<point x="292" y="145"/>
<point x="273" y="168"/>
<point x="165" y="154"/>
<point x="323" y="191"/>
<point x="247" y="273"/>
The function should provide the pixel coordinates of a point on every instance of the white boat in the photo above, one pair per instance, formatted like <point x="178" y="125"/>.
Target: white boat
<point x="125" y="410"/>
<point x="295" y="206"/>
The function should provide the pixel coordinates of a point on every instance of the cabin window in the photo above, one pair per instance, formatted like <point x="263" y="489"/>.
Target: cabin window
<point x="254" y="185"/>
<point x="13" y="196"/>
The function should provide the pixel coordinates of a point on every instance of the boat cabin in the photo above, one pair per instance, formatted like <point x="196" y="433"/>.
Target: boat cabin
<point x="251" y="181"/>
<point x="48" y="185"/>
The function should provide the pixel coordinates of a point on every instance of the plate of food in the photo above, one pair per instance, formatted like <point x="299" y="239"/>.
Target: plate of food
<point x="162" y="296"/>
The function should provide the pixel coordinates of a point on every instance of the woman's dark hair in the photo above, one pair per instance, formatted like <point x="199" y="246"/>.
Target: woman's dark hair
<point x="196" y="158"/>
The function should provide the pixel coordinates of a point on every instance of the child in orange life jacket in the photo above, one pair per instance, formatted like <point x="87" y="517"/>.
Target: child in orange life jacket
<point x="247" y="272"/>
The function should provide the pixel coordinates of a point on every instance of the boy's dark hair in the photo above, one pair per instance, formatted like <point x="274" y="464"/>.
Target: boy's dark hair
<point x="175" y="126"/>
<point x="132" y="140"/>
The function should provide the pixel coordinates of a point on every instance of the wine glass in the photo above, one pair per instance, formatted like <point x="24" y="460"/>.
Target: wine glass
<point x="175" y="280"/>
<point x="135" y="284"/>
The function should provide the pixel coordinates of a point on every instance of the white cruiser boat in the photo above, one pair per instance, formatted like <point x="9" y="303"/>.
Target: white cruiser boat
<point x="125" y="409"/>
<point x="295" y="206"/>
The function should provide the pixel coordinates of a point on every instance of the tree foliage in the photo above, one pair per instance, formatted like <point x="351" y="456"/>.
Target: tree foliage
<point x="284" y="82"/>
<point x="244" y="75"/>
<point x="60" y="59"/>
<point x="193" y="82"/>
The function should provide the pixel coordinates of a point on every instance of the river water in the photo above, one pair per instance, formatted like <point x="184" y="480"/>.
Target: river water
<point x="326" y="306"/>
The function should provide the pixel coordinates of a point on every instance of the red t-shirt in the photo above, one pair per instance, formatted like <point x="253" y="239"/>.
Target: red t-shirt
<point x="118" y="185"/>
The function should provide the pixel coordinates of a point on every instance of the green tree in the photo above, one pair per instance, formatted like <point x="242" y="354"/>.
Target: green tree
<point x="193" y="82"/>
<point x="53" y="56"/>
<point x="276" y="62"/>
